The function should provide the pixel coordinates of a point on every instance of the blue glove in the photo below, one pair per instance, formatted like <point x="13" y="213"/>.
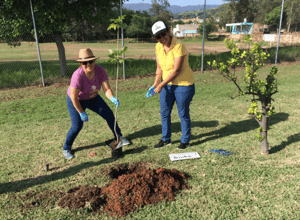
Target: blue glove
<point x="115" y="101"/>
<point x="84" y="116"/>
<point x="150" y="92"/>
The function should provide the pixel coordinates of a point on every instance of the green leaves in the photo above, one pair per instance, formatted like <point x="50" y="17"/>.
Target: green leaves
<point x="253" y="108"/>
<point x="258" y="136"/>
<point x="115" y="53"/>
<point x="116" y="23"/>
<point x="261" y="90"/>
<point x="271" y="111"/>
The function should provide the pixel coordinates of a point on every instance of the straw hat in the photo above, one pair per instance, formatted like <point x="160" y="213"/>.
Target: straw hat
<point x="86" y="55"/>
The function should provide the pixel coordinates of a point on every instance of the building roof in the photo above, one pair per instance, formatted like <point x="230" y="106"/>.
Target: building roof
<point x="235" y="24"/>
<point x="187" y="27"/>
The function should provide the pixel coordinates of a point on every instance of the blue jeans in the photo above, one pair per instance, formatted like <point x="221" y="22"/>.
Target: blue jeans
<point x="97" y="105"/>
<point x="183" y="96"/>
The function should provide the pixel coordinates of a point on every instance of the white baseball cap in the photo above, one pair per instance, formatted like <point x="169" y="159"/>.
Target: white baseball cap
<point x="159" y="27"/>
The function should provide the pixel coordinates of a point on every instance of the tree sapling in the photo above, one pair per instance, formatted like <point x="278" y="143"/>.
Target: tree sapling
<point x="261" y="90"/>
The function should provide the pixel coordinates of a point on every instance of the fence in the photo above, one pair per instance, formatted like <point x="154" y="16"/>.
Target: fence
<point x="19" y="60"/>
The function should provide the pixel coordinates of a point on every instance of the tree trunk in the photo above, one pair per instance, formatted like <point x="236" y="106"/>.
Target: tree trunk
<point x="290" y="20"/>
<point x="61" y="54"/>
<point x="264" y="145"/>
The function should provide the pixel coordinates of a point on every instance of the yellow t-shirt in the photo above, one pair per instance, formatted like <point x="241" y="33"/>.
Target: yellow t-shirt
<point x="166" y="62"/>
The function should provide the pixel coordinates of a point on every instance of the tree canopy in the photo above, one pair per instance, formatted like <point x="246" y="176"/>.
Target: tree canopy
<point x="52" y="17"/>
<point x="159" y="10"/>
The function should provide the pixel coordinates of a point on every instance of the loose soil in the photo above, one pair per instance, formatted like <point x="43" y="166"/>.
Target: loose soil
<point x="132" y="187"/>
<point x="114" y="144"/>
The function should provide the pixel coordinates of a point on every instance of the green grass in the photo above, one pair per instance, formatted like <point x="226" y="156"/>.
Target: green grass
<point x="288" y="54"/>
<point x="23" y="69"/>
<point x="28" y="72"/>
<point x="34" y="123"/>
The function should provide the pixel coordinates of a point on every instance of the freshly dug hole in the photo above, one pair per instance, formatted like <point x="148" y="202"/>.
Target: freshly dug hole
<point x="82" y="197"/>
<point x="134" y="187"/>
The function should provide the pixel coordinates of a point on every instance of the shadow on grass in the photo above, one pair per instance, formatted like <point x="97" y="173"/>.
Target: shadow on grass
<point x="291" y="139"/>
<point x="237" y="128"/>
<point x="87" y="147"/>
<point x="176" y="127"/>
<point x="230" y="129"/>
<point x="17" y="186"/>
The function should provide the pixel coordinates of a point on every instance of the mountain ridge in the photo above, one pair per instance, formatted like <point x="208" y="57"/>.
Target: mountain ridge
<point x="175" y="9"/>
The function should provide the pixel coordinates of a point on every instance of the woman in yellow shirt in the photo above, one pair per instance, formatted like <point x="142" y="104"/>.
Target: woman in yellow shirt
<point x="174" y="81"/>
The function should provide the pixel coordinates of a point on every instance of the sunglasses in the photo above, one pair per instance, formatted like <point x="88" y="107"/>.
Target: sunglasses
<point x="90" y="62"/>
<point x="160" y="35"/>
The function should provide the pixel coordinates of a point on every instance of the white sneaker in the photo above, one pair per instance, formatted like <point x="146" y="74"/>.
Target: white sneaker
<point x="124" y="141"/>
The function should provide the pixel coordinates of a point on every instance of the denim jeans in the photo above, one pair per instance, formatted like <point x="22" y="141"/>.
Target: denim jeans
<point x="97" y="105"/>
<point x="183" y="96"/>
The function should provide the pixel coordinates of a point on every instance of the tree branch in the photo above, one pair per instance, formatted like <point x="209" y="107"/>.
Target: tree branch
<point x="273" y="93"/>
<point x="256" y="119"/>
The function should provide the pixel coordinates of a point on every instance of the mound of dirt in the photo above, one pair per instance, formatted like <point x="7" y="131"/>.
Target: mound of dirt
<point x="134" y="186"/>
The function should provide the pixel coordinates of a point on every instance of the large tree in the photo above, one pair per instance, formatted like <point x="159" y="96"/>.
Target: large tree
<point x="292" y="12"/>
<point x="265" y="7"/>
<point x="160" y="11"/>
<point x="139" y="26"/>
<point x="52" y="18"/>
<point x="273" y="18"/>
<point x="240" y="9"/>
<point x="210" y="26"/>
<point x="224" y="14"/>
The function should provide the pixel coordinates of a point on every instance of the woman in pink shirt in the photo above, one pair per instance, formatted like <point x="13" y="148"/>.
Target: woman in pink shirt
<point x="83" y="93"/>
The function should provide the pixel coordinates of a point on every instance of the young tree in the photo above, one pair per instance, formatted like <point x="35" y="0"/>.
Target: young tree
<point x="260" y="90"/>
<point x="52" y="18"/>
<point x="115" y="57"/>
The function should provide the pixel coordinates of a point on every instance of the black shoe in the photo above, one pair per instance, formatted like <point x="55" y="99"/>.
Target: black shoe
<point x="162" y="143"/>
<point x="183" y="146"/>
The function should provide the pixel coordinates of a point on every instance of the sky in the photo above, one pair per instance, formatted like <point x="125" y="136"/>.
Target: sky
<point x="181" y="2"/>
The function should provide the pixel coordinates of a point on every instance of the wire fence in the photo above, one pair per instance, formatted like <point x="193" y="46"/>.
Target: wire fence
<point x="19" y="59"/>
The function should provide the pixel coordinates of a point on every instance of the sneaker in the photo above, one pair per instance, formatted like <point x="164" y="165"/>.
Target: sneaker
<point x="68" y="154"/>
<point x="183" y="145"/>
<point x="162" y="143"/>
<point x="124" y="141"/>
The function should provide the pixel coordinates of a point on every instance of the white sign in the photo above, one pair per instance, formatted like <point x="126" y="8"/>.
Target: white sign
<point x="184" y="156"/>
<point x="269" y="37"/>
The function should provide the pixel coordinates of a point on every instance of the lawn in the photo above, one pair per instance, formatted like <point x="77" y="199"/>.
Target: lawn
<point x="19" y="66"/>
<point x="246" y="185"/>
<point x="28" y="50"/>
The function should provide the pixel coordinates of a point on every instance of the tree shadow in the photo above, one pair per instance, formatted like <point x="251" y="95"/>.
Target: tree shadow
<point x="17" y="186"/>
<point x="230" y="129"/>
<point x="237" y="128"/>
<point x="291" y="139"/>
